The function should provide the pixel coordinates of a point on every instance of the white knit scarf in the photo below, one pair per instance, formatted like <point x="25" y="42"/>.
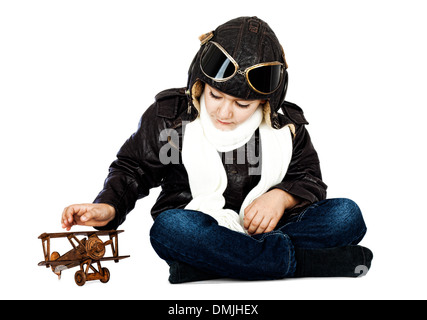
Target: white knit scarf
<point x="206" y="173"/>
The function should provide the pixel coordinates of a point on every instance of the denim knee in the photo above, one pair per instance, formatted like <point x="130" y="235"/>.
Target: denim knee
<point x="179" y="227"/>
<point x="168" y="224"/>
<point x="164" y="232"/>
<point x="348" y="220"/>
<point x="178" y="221"/>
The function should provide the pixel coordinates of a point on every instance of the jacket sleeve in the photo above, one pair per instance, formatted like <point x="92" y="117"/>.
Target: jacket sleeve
<point x="303" y="178"/>
<point x="136" y="170"/>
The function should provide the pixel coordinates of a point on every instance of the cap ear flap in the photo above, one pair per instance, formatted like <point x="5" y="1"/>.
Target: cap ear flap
<point x="204" y="38"/>
<point x="196" y="92"/>
<point x="267" y="112"/>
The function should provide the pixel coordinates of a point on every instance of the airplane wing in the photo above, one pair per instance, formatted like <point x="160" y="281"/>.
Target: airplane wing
<point x="79" y="233"/>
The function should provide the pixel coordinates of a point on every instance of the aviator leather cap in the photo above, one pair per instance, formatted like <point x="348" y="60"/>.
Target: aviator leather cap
<point x="249" y="41"/>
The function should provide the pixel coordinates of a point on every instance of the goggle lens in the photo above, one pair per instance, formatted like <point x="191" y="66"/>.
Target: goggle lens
<point x="216" y="64"/>
<point x="265" y="79"/>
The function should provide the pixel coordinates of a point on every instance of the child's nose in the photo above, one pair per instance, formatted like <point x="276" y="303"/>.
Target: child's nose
<point x="225" y="112"/>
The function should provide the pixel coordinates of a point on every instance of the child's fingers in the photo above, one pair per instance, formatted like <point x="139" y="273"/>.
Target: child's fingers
<point x="249" y="215"/>
<point x="255" y="223"/>
<point x="87" y="214"/>
<point x="88" y="217"/>
<point x="70" y="213"/>
<point x="66" y="217"/>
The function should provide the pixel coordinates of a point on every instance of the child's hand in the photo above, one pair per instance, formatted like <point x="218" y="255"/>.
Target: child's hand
<point x="87" y="214"/>
<point x="263" y="214"/>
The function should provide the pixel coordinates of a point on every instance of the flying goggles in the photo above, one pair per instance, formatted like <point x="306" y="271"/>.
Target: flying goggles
<point x="219" y="66"/>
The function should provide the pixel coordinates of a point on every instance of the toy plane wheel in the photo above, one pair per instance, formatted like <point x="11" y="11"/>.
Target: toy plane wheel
<point x="80" y="278"/>
<point x="106" y="275"/>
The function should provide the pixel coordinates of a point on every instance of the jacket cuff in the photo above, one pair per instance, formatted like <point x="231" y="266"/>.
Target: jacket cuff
<point x="309" y="190"/>
<point x="107" y="196"/>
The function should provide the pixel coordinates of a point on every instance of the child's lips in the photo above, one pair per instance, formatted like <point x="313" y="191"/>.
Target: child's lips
<point x="223" y="122"/>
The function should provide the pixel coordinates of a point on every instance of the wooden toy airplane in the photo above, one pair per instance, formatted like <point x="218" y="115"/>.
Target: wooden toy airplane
<point x="86" y="251"/>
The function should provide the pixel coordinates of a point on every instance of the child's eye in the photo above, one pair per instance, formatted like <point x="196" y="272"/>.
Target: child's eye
<point x="214" y="96"/>
<point x="242" y="105"/>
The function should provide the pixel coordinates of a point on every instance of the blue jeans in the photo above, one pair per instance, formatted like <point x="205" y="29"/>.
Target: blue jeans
<point x="196" y="239"/>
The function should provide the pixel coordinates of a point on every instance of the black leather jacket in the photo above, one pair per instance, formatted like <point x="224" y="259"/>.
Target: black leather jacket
<point x="138" y="166"/>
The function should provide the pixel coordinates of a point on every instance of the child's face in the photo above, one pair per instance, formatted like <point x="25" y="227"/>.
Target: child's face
<point x="227" y="112"/>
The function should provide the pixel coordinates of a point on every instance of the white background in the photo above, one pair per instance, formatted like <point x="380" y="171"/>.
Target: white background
<point x="75" y="76"/>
